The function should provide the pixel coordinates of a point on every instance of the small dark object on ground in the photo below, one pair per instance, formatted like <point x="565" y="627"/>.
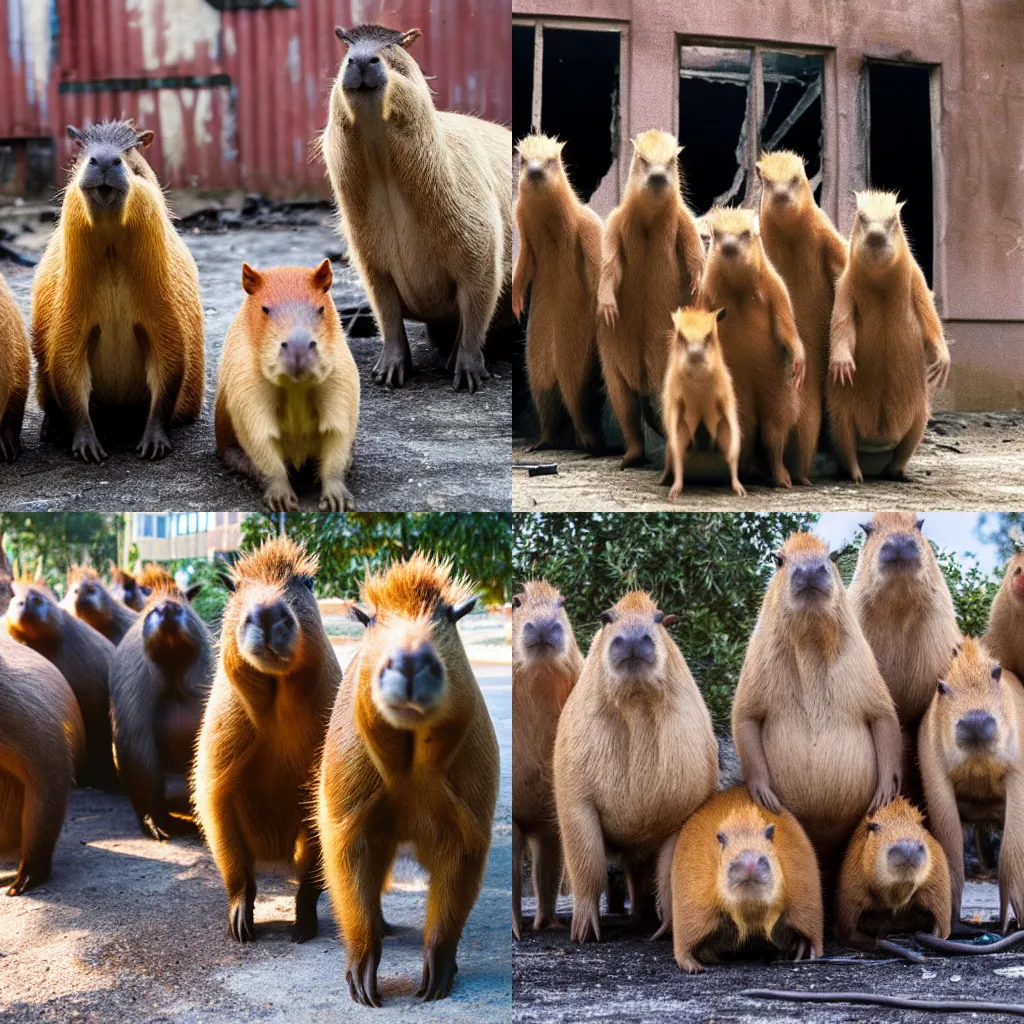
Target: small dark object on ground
<point x="538" y="469"/>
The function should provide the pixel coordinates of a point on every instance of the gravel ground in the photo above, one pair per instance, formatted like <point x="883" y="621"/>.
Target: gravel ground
<point x="128" y="929"/>
<point x="420" y="447"/>
<point x="966" y="461"/>
<point x="628" y="980"/>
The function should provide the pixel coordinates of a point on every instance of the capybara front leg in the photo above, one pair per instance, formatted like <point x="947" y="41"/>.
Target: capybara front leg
<point x="547" y="874"/>
<point x="307" y="865"/>
<point x="395" y="362"/>
<point x="626" y="404"/>
<point x="903" y="452"/>
<point x="164" y="387"/>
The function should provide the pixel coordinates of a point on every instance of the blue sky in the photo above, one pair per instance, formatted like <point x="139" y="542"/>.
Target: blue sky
<point x="956" y="531"/>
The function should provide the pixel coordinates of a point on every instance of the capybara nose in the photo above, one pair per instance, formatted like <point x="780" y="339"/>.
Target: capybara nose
<point x="535" y="171"/>
<point x="364" y="70"/>
<point x="899" y="549"/>
<point x="413" y="677"/>
<point x="906" y="854"/>
<point x="633" y="645"/>
<point x="876" y="238"/>
<point x="730" y="248"/>
<point x="298" y="353"/>
<point x="976" y="728"/>
<point x="269" y="627"/>
<point x="657" y="180"/>
<point x="543" y="633"/>
<point x="811" y="575"/>
<point x="781" y="195"/>
<point x="749" y="867"/>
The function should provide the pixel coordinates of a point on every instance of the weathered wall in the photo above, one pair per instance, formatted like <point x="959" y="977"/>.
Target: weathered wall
<point x="979" y="267"/>
<point x="235" y="97"/>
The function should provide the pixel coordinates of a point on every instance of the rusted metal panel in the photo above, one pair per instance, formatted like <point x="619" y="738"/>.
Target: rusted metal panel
<point x="236" y="97"/>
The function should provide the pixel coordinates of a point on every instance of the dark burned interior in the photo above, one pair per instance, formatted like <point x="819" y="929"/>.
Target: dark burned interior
<point x="899" y="148"/>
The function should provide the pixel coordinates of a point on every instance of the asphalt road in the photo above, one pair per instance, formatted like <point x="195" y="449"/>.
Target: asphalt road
<point x="128" y="929"/>
<point x="420" y="447"/>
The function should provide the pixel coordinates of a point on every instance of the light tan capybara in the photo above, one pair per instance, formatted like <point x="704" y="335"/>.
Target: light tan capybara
<point x="1005" y="636"/>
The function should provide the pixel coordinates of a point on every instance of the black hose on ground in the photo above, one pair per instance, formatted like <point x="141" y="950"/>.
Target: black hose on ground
<point x="968" y="948"/>
<point x="869" y="999"/>
<point x="888" y="946"/>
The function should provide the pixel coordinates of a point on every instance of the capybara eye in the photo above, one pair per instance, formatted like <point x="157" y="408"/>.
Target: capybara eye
<point x="266" y="309"/>
<point x="320" y="311"/>
<point x="517" y="602"/>
<point x="1017" y="571"/>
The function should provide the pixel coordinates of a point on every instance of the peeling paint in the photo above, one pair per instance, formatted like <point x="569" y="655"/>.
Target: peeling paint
<point x="294" y="63"/>
<point x="230" y="44"/>
<point x="172" y="131"/>
<point x="186" y="24"/>
<point x="28" y="44"/>
<point x="147" y="105"/>
<point x="201" y="134"/>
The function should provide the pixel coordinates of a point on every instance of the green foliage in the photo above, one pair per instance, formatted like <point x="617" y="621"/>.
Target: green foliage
<point x="348" y="543"/>
<point x="711" y="570"/>
<point x="973" y="592"/>
<point x="1004" y="529"/>
<point x="61" y="539"/>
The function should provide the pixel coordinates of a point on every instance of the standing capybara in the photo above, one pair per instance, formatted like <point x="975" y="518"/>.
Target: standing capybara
<point x="116" y="314"/>
<point x="14" y="373"/>
<point x="124" y="587"/>
<point x="262" y="731"/>
<point x="411" y="757"/>
<point x="425" y="198"/>
<point x="82" y="655"/>
<point x="89" y="600"/>
<point x="545" y="666"/>
<point x="809" y="255"/>
<point x="651" y="263"/>
<point x="884" y="331"/>
<point x="894" y="878"/>
<point x="560" y="261"/>
<point x="635" y="755"/>
<point x="1005" y="636"/>
<point x="288" y="387"/>
<point x="159" y="681"/>
<point x="905" y="610"/>
<point x="814" y="726"/>
<point x="742" y="875"/>
<point x="762" y="348"/>
<point x="969" y="751"/>
<point x="698" y="389"/>
<point x="42" y="744"/>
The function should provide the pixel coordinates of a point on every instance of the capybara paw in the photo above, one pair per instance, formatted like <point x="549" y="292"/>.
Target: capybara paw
<point x="842" y="369"/>
<point x="393" y="366"/>
<point x="336" y="497"/>
<point x="305" y="928"/>
<point x="894" y="473"/>
<point x="155" y="443"/>
<point x="279" y="497"/>
<point x="585" y="925"/>
<point x="633" y="457"/>
<point x="739" y="490"/>
<point x="764" y="795"/>
<point x="10" y="445"/>
<point x="517" y="927"/>
<point x="85" y="445"/>
<point x="541" y="445"/>
<point x="439" y="970"/>
<point x="690" y="964"/>
<point x="803" y="950"/>
<point x="782" y="479"/>
<point x="361" y="975"/>
<point x="28" y="877"/>
<point x="240" y="922"/>
<point x="675" y="492"/>
<point x="469" y="369"/>
<point x="802" y="481"/>
<point x="156" y="828"/>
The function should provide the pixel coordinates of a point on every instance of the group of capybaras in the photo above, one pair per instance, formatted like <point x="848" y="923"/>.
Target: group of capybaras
<point x="425" y="201"/>
<point x="868" y="729"/>
<point x="754" y="326"/>
<point x="261" y="744"/>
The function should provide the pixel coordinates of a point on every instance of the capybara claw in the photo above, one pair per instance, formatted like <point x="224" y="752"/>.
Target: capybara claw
<point x="240" y="922"/>
<point x="86" y="445"/>
<point x="439" y="970"/>
<point x="361" y="976"/>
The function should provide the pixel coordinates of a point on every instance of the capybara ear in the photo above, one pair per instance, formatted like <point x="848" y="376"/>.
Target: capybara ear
<point x="769" y="832"/>
<point x="410" y="37"/>
<point x="458" y="611"/>
<point x="343" y="35"/>
<point x="361" y="615"/>
<point x="251" y="279"/>
<point x="193" y="592"/>
<point x="323" y="276"/>
<point x="720" y="314"/>
<point x="75" y="135"/>
<point x="145" y="139"/>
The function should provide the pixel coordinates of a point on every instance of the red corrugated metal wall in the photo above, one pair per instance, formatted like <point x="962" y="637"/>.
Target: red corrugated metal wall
<point x="235" y="98"/>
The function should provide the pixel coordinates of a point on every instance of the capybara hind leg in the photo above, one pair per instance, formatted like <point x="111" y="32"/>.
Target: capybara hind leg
<point x="164" y="388"/>
<point x="1011" y="855"/>
<point x="774" y="438"/>
<point x="808" y="429"/>
<point x="844" y="441"/>
<point x="547" y="874"/>
<point x="588" y="426"/>
<point x="41" y="822"/>
<point x="456" y="874"/>
<point x="725" y="443"/>
<point x="307" y="866"/>
<point x="550" y="414"/>
<point x="583" y="848"/>
<point x="907" y="446"/>
<point x="640" y="881"/>
<point x="357" y="880"/>
<point x="663" y="882"/>
<point x="10" y="426"/>
<point x="626" y="404"/>
<point x="517" y="881"/>
<point x="236" y="866"/>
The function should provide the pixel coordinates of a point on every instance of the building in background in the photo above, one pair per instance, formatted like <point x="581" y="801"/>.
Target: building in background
<point x="236" y="90"/>
<point x="168" y="536"/>
<point x="926" y="98"/>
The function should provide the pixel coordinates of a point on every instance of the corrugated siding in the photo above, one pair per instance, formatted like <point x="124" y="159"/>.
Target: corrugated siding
<point x="243" y="93"/>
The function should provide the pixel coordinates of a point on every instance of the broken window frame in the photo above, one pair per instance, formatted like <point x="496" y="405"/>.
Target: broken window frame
<point x="938" y="162"/>
<point x="756" y="112"/>
<point x="622" y="161"/>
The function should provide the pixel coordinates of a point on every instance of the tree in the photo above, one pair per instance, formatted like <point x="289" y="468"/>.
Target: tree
<point x="478" y="544"/>
<point x="1004" y="529"/>
<point x="61" y="539"/>
<point x="711" y="570"/>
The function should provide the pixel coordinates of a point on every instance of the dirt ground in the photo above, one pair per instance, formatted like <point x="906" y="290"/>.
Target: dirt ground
<point x="966" y="461"/>
<point x="628" y="980"/>
<point x="128" y="929"/>
<point x="420" y="447"/>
